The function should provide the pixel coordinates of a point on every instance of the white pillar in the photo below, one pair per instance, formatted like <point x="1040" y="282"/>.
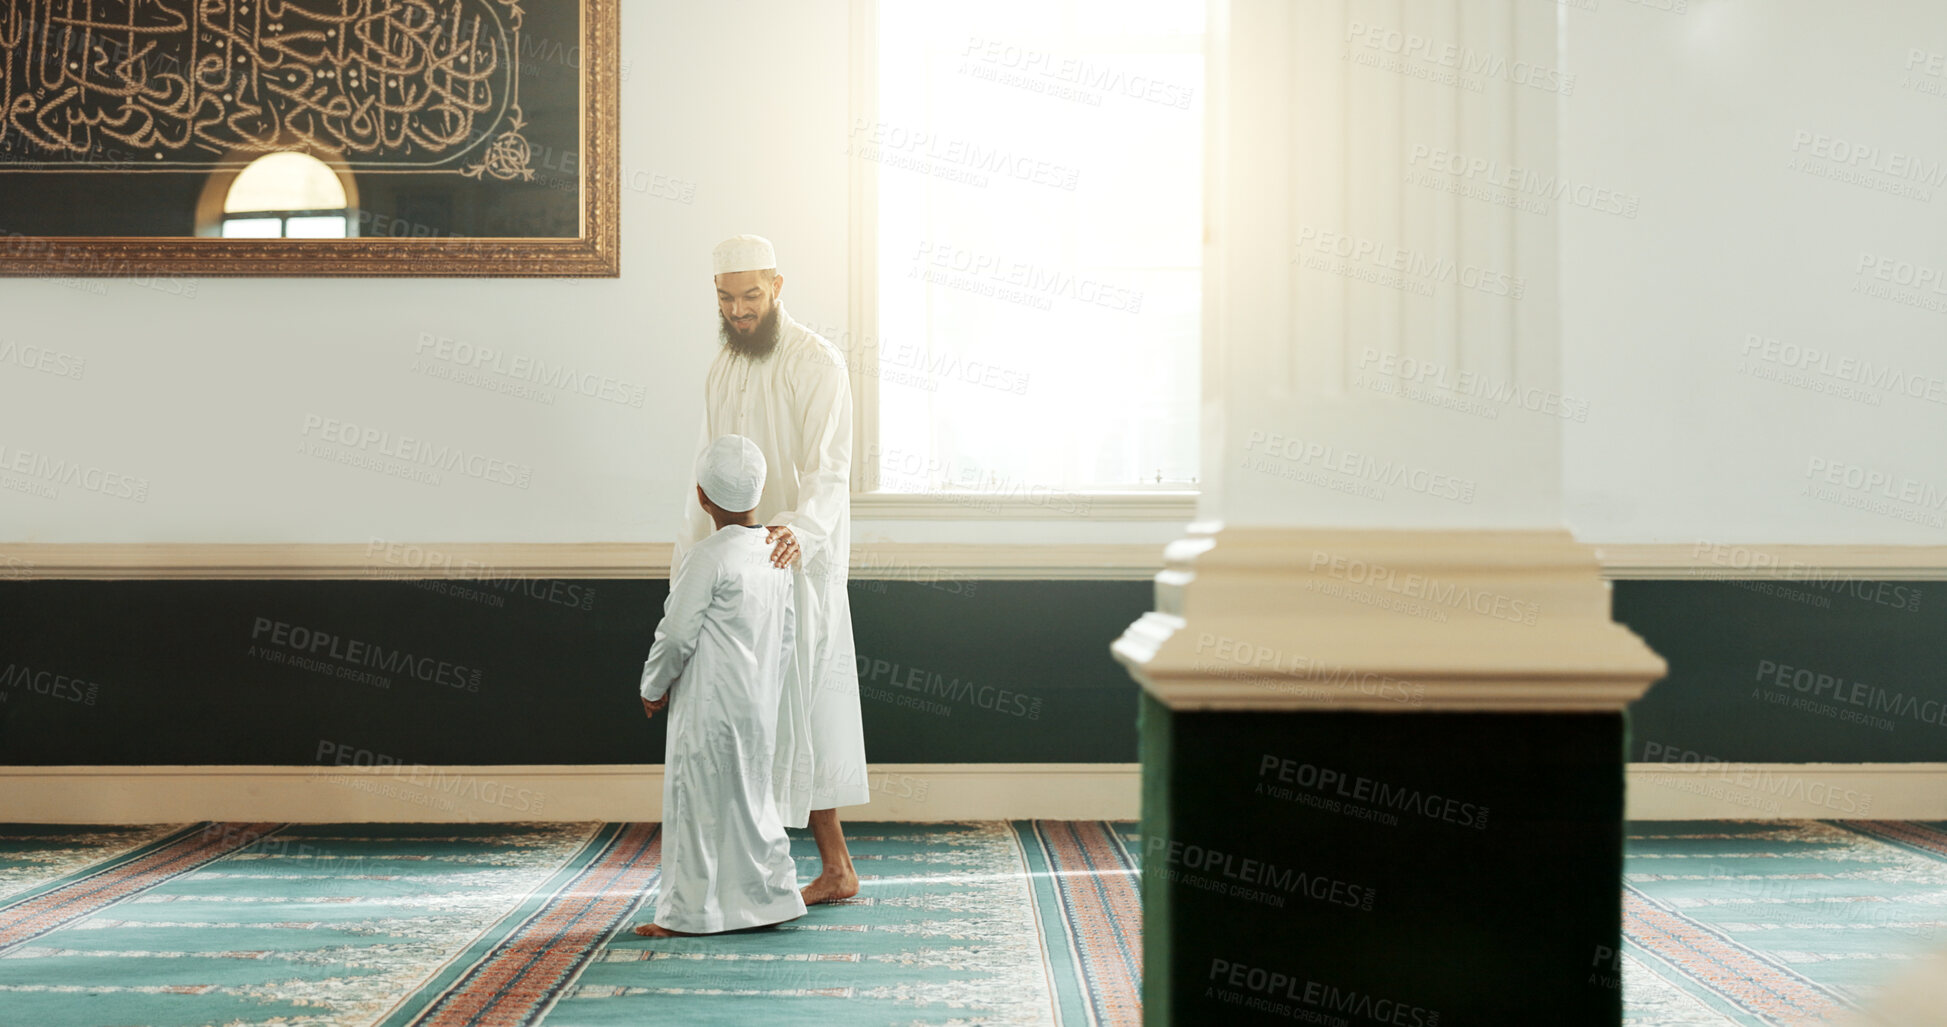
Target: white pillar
<point x="1382" y="416"/>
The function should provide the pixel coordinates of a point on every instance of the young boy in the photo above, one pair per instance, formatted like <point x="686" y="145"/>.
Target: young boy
<point x="724" y="646"/>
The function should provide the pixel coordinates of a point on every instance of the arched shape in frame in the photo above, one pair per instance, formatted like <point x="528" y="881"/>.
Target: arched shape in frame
<point x="282" y="185"/>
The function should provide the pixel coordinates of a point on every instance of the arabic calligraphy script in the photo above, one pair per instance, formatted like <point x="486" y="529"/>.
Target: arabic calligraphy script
<point x="180" y="85"/>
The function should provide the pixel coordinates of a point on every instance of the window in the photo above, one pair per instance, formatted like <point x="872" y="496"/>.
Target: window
<point x="1038" y="225"/>
<point x="286" y="195"/>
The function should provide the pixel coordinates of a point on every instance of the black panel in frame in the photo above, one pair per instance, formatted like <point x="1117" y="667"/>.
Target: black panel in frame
<point x="320" y="137"/>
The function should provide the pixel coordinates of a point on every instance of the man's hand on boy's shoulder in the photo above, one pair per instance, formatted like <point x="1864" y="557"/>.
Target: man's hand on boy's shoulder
<point x="786" y="552"/>
<point x="653" y="708"/>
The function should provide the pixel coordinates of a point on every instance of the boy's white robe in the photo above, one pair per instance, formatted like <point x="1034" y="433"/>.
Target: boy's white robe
<point x="796" y="404"/>
<point x="726" y="644"/>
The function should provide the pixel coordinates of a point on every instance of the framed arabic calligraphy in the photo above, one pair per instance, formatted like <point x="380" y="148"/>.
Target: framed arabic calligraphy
<point x="309" y="137"/>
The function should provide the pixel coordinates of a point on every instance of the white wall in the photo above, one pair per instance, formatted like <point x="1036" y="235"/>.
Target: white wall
<point x="203" y="388"/>
<point x="205" y="396"/>
<point x="1703" y="113"/>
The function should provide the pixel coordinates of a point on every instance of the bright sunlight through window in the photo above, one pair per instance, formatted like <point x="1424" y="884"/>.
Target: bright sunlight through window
<point x="1039" y="241"/>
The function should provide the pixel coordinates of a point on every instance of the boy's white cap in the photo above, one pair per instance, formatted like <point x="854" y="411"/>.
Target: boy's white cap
<point x="743" y="253"/>
<point x="731" y="471"/>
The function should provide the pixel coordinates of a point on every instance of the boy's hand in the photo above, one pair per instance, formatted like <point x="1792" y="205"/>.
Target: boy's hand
<point x="787" y="552"/>
<point x="653" y="708"/>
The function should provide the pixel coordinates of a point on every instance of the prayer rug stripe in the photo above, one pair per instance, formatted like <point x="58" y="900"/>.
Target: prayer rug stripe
<point x="117" y="880"/>
<point x="1912" y="835"/>
<point x="946" y="934"/>
<point x="1102" y="905"/>
<point x="1753" y="983"/>
<point x="1073" y="1005"/>
<point x="523" y="976"/>
<point x="36" y="857"/>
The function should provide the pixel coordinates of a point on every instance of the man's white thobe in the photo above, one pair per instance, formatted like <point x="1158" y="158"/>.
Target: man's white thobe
<point x="726" y="642"/>
<point x="796" y="404"/>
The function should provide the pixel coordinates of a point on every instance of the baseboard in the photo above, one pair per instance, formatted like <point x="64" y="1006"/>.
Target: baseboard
<point x="1787" y="791"/>
<point x="923" y="792"/>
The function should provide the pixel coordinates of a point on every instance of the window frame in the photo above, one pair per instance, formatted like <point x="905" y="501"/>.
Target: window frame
<point x="284" y="219"/>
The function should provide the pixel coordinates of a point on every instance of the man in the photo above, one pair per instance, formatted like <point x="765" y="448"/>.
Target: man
<point x="724" y="650"/>
<point x="779" y="384"/>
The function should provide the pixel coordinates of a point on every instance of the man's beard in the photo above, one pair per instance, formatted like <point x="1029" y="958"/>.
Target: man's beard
<point x="759" y="343"/>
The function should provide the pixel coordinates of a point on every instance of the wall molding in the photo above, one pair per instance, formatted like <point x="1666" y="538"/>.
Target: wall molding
<point x="1772" y="561"/>
<point x="914" y="561"/>
<point x="1787" y="791"/>
<point x="379" y="560"/>
<point x="922" y="792"/>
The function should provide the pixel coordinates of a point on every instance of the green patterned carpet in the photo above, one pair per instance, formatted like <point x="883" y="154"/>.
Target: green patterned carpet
<point x="977" y="923"/>
<point x="1774" y="922"/>
<point x="307" y="926"/>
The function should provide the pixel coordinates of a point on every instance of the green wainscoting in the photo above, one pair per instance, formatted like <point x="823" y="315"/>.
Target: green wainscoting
<point x="522" y="672"/>
<point x="210" y="672"/>
<point x="1791" y="672"/>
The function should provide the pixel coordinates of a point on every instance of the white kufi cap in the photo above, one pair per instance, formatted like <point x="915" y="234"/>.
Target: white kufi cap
<point x="743" y="253"/>
<point x="731" y="471"/>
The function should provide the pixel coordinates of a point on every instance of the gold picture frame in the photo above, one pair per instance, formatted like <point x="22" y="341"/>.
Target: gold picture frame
<point x="595" y="63"/>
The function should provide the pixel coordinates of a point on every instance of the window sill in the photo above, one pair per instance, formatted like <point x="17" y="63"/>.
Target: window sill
<point x="1178" y="505"/>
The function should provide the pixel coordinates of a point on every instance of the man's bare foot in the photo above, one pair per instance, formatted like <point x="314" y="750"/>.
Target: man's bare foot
<point x="830" y="887"/>
<point x="659" y="931"/>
